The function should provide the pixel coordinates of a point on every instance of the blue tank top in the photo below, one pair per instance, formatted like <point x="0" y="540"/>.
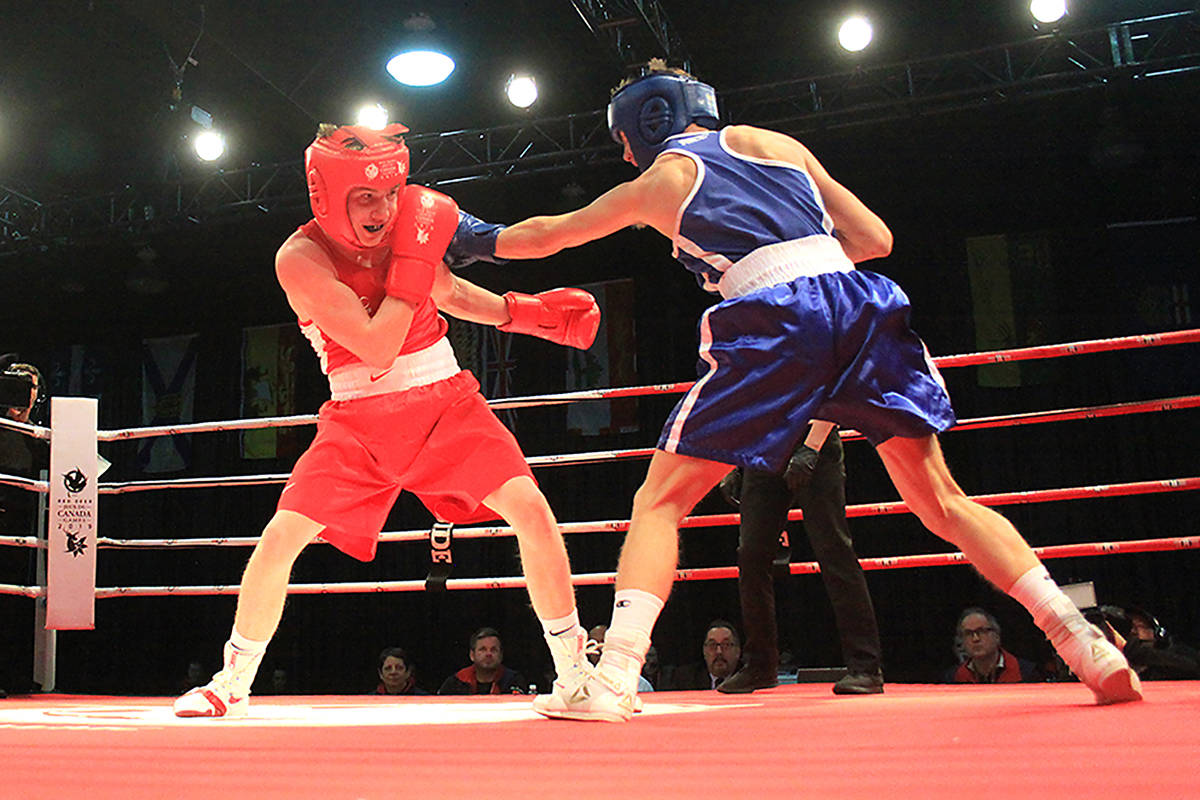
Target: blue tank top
<point x="738" y="204"/>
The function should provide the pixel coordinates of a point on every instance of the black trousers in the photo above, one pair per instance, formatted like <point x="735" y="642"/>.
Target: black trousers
<point x="765" y="500"/>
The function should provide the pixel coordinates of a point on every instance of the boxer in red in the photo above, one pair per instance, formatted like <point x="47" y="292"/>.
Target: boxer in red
<point x="366" y="279"/>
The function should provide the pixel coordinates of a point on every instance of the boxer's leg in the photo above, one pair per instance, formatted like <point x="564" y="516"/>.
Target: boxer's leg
<point x="673" y="486"/>
<point x="997" y="550"/>
<point x="547" y="576"/>
<point x="260" y="607"/>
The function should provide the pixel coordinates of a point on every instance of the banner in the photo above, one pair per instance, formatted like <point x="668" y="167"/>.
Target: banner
<point x="1013" y="298"/>
<point x="610" y="361"/>
<point x="168" y="396"/>
<point x="465" y="338"/>
<point x="77" y="371"/>
<point x="269" y="388"/>
<point x="498" y="366"/>
<point x="71" y="556"/>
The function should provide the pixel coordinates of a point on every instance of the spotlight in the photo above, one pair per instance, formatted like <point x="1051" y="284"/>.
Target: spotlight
<point x="855" y="34"/>
<point x="372" y="116"/>
<point x="421" y="67"/>
<point x="521" y="90"/>
<point x="209" y="145"/>
<point x="1047" y="11"/>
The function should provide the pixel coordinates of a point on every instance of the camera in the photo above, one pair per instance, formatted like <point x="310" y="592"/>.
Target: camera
<point x="16" y="389"/>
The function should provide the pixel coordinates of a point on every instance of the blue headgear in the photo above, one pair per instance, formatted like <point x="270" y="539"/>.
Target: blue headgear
<point x="657" y="106"/>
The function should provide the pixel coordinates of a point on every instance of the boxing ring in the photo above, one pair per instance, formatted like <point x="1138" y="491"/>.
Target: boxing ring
<point x="920" y="739"/>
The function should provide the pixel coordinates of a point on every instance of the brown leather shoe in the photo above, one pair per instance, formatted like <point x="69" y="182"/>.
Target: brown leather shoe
<point x="747" y="679"/>
<point x="859" y="683"/>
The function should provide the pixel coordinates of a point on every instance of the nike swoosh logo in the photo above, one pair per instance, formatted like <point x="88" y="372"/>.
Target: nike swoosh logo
<point x="380" y="375"/>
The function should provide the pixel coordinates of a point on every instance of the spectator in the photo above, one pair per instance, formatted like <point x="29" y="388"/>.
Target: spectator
<point x="196" y="676"/>
<point x="397" y="673"/>
<point x="1152" y="652"/>
<point x="487" y="673"/>
<point x="652" y="669"/>
<point x="596" y="634"/>
<point x="981" y="658"/>
<point x="722" y="651"/>
<point x="279" y="681"/>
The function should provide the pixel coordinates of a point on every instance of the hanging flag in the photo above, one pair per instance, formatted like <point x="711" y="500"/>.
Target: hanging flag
<point x="269" y="388"/>
<point x="498" y="365"/>
<point x="77" y="371"/>
<point x="1013" y="298"/>
<point x="610" y="361"/>
<point x="168" y="396"/>
<point x="468" y="349"/>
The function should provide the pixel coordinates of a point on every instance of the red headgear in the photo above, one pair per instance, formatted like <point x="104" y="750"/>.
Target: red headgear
<point x="351" y="156"/>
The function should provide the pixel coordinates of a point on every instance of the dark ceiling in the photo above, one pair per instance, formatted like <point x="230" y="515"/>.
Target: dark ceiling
<point x="86" y="85"/>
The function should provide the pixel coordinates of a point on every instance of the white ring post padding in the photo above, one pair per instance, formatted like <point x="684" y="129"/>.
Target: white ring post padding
<point x="71" y="531"/>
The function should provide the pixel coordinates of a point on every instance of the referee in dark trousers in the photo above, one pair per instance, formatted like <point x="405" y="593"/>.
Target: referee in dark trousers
<point x="815" y="480"/>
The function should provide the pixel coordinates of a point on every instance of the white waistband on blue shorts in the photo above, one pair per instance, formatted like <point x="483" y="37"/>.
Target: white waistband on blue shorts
<point x="434" y="363"/>
<point x="782" y="262"/>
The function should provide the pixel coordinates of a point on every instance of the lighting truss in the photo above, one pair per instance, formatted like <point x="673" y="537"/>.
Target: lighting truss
<point x="634" y="30"/>
<point x="1130" y="52"/>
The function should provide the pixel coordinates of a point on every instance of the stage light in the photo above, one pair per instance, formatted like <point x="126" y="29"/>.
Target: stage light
<point x="421" y="67"/>
<point x="521" y="90"/>
<point x="372" y="116"/>
<point x="209" y="145"/>
<point x="855" y="34"/>
<point x="1047" y="11"/>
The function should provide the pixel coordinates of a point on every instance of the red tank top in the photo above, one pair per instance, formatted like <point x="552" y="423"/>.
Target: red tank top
<point x="367" y="282"/>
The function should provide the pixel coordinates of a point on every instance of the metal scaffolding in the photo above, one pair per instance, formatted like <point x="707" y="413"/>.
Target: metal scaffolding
<point x="1129" y="52"/>
<point x="634" y="30"/>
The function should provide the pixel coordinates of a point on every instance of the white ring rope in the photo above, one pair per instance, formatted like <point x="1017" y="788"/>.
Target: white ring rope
<point x="604" y="456"/>
<point x="968" y="359"/>
<point x="601" y="578"/>
<point x="1036" y="496"/>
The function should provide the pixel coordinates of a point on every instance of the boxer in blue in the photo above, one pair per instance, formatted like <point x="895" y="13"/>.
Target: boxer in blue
<point x="801" y="334"/>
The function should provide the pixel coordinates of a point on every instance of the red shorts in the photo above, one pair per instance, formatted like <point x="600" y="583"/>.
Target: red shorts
<point x="441" y="442"/>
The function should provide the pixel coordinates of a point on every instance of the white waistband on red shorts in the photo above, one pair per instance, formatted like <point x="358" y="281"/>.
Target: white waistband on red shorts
<point x="434" y="363"/>
<point x="782" y="262"/>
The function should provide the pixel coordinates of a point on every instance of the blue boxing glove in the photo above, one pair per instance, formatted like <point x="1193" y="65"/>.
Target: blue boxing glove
<point x="474" y="240"/>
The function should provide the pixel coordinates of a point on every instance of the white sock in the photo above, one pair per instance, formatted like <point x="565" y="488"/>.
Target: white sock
<point x="247" y="646"/>
<point x="1053" y="612"/>
<point x="242" y="657"/>
<point x="628" y="638"/>
<point x="635" y="610"/>
<point x="562" y="627"/>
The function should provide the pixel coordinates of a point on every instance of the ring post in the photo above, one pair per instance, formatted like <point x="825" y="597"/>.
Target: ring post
<point x="45" y="640"/>
<point x="71" y="556"/>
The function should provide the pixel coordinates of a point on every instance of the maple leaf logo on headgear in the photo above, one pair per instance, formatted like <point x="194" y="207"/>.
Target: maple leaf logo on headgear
<point x="372" y="170"/>
<point x="74" y="481"/>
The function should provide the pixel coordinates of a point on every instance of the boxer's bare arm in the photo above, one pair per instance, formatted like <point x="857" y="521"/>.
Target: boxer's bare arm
<point x="464" y="300"/>
<point x="314" y="293"/>
<point x="653" y="199"/>
<point x="862" y="233"/>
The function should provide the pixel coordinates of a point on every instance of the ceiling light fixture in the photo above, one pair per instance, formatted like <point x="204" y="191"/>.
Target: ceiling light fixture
<point x="522" y="90"/>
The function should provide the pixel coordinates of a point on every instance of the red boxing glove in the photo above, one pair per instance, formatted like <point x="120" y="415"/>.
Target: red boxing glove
<point x="564" y="316"/>
<point x="424" y="225"/>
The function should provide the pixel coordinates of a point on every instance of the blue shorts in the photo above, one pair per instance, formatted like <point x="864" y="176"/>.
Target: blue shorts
<point x="836" y="347"/>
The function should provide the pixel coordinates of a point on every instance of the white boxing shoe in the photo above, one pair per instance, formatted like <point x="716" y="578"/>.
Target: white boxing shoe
<point x="595" y="700"/>
<point x="212" y="700"/>
<point x="1103" y="668"/>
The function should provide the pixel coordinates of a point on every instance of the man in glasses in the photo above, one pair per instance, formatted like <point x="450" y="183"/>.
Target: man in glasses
<point x="981" y="658"/>
<point x="722" y="652"/>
